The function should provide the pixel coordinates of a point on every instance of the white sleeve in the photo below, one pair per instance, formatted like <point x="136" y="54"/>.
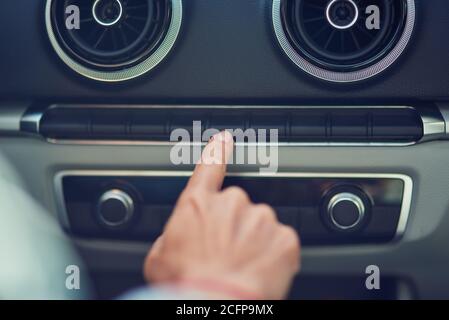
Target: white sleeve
<point x="34" y="251"/>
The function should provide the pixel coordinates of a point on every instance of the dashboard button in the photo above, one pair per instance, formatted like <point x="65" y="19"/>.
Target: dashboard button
<point x="114" y="124"/>
<point x="307" y="125"/>
<point x="350" y="126"/>
<point x="115" y="208"/>
<point x="346" y="210"/>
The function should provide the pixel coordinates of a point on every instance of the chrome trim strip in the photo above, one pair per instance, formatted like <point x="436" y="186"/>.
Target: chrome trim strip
<point x="434" y="124"/>
<point x="129" y="73"/>
<point x="444" y="109"/>
<point x="31" y="121"/>
<point x="11" y="117"/>
<point x="342" y="77"/>
<point x="260" y="144"/>
<point x="403" y="217"/>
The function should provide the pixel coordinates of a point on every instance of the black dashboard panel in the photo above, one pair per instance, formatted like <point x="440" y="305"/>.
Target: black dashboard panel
<point x="226" y="53"/>
<point x="93" y="206"/>
<point x="370" y="125"/>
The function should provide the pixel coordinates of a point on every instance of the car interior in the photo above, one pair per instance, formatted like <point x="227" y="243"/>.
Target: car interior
<point x="357" y="91"/>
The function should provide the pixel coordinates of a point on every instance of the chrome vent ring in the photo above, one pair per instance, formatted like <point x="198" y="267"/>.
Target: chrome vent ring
<point x="115" y="40"/>
<point x="330" y="39"/>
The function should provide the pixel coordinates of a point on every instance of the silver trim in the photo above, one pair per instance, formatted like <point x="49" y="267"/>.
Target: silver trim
<point x="260" y="144"/>
<point x="346" y="26"/>
<point x="403" y="218"/>
<point x="11" y="117"/>
<point x="343" y="77"/>
<point x="32" y="120"/>
<point x="444" y="109"/>
<point x="121" y="196"/>
<point x="128" y="73"/>
<point x="434" y="124"/>
<point x="345" y="196"/>
<point x="94" y="14"/>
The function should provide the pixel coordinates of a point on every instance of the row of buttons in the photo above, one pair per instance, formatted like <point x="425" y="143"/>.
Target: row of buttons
<point x="293" y="125"/>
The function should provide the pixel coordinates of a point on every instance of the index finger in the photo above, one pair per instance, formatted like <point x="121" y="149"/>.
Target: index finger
<point x="210" y="171"/>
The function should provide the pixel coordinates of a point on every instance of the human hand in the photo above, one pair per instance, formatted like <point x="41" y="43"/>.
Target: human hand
<point x="220" y="239"/>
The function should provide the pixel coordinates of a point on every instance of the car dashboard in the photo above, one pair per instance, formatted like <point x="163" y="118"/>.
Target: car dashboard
<point x="357" y="91"/>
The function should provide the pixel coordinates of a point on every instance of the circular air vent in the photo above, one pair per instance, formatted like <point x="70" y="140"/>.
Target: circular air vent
<point x="113" y="40"/>
<point x="343" y="40"/>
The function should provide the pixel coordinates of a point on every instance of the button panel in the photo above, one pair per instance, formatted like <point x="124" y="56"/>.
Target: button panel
<point x="294" y="125"/>
<point x="336" y="210"/>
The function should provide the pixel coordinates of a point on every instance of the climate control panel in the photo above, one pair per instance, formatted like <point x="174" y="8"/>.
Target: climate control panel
<point x="326" y="209"/>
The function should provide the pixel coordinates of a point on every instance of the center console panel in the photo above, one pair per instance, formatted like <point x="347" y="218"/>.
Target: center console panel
<point x="326" y="209"/>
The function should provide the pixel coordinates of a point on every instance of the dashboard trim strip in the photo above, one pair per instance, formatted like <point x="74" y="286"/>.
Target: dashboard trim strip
<point x="434" y="126"/>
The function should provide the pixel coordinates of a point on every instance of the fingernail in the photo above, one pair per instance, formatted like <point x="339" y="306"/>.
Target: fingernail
<point x="223" y="136"/>
<point x="218" y="153"/>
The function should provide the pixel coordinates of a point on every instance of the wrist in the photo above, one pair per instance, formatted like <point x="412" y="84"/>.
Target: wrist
<point x="218" y="288"/>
